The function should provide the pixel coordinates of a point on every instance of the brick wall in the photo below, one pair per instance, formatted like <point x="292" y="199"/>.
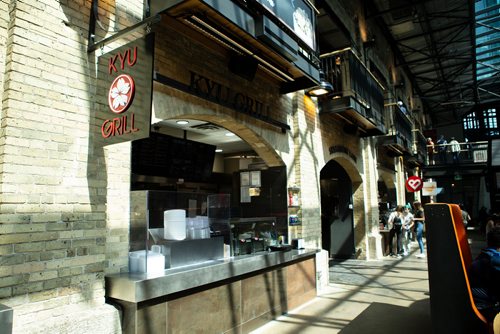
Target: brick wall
<point x="57" y="236"/>
<point x="307" y="146"/>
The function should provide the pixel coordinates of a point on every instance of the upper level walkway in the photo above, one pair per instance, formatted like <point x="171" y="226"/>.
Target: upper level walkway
<point x="459" y="153"/>
<point x="390" y="296"/>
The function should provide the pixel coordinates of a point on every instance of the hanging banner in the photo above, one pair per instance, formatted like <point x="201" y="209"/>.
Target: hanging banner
<point x="414" y="183"/>
<point x="124" y="92"/>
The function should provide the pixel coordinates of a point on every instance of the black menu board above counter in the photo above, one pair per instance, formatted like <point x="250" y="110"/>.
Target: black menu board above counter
<point x="167" y="156"/>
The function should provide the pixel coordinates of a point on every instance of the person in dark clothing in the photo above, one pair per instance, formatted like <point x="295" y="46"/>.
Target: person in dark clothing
<point x="396" y="221"/>
<point x="485" y="276"/>
<point x="441" y="147"/>
<point x="419" y="219"/>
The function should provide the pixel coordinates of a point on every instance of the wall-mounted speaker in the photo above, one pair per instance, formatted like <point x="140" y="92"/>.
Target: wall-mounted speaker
<point x="244" y="66"/>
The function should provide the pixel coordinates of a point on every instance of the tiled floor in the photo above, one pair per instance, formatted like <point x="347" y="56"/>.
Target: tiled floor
<point x="387" y="296"/>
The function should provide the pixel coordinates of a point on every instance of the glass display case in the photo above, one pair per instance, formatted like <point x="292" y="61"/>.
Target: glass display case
<point x="171" y="229"/>
<point x="252" y="235"/>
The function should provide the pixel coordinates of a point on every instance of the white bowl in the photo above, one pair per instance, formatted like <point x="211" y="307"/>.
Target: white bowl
<point x="175" y="214"/>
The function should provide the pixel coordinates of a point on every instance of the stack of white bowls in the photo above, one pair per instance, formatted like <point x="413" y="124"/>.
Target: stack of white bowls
<point x="204" y="227"/>
<point x="150" y="262"/>
<point x="198" y="228"/>
<point x="174" y="224"/>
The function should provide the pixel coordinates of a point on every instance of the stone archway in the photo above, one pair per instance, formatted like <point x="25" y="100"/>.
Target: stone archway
<point x="265" y="141"/>
<point x="349" y="166"/>
<point x="171" y="106"/>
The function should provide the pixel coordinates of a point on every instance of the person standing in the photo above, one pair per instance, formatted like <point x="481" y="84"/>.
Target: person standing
<point x="455" y="150"/>
<point x="396" y="220"/>
<point x="407" y="225"/>
<point x="442" y="149"/>
<point x="465" y="215"/>
<point x="419" y="219"/>
<point x="430" y="151"/>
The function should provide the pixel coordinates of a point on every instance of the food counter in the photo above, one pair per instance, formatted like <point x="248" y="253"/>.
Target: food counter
<point x="139" y="287"/>
<point x="189" y="262"/>
<point x="242" y="292"/>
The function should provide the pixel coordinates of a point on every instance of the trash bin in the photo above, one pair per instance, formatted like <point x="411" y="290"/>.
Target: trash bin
<point x="6" y="319"/>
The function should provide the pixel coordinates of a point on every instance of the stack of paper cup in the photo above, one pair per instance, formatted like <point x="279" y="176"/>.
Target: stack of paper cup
<point x="174" y="223"/>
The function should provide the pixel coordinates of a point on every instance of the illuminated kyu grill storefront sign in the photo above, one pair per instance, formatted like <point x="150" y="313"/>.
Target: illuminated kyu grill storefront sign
<point x="125" y="92"/>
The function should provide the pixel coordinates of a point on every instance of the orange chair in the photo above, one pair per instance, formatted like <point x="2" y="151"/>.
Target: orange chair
<point x="449" y="258"/>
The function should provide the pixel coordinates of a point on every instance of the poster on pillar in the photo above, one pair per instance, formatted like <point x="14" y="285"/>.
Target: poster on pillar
<point x="124" y="92"/>
<point x="414" y="183"/>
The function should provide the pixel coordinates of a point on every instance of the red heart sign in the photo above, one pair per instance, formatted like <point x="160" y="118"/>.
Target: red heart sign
<point x="414" y="183"/>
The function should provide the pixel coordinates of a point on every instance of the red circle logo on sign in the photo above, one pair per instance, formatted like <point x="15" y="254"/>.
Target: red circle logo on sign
<point x="121" y="93"/>
<point x="414" y="183"/>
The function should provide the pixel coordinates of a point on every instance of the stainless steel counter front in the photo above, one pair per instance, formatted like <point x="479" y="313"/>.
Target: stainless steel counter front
<point x="135" y="288"/>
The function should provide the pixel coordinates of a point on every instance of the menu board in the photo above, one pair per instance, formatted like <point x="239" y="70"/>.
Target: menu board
<point x="163" y="155"/>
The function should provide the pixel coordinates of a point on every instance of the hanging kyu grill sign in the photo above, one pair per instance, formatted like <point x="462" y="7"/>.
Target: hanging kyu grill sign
<point x="125" y="80"/>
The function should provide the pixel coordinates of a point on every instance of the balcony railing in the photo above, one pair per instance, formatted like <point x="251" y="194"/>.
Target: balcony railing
<point x="469" y="153"/>
<point x="357" y="94"/>
<point x="403" y="128"/>
<point x="400" y="139"/>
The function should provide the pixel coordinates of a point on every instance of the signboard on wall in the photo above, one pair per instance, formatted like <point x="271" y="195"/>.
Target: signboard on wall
<point x="414" y="183"/>
<point x="298" y="15"/>
<point x="124" y="92"/>
<point x="429" y="189"/>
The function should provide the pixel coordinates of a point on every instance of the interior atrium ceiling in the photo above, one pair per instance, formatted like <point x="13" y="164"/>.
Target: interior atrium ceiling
<point x="434" y="42"/>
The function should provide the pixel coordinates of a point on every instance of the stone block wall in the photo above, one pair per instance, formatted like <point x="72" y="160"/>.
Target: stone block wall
<point x="64" y="201"/>
<point x="61" y="198"/>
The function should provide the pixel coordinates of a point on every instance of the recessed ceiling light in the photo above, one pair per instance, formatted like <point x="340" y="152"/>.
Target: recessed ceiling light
<point x="182" y="122"/>
<point x="230" y="134"/>
<point x="218" y="150"/>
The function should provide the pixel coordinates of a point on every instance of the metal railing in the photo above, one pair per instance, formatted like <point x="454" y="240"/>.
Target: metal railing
<point x="464" y="152"/>
<point x="350" y="77"/>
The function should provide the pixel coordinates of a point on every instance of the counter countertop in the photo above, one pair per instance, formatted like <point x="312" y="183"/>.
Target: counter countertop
<point x="138" y="287"/>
